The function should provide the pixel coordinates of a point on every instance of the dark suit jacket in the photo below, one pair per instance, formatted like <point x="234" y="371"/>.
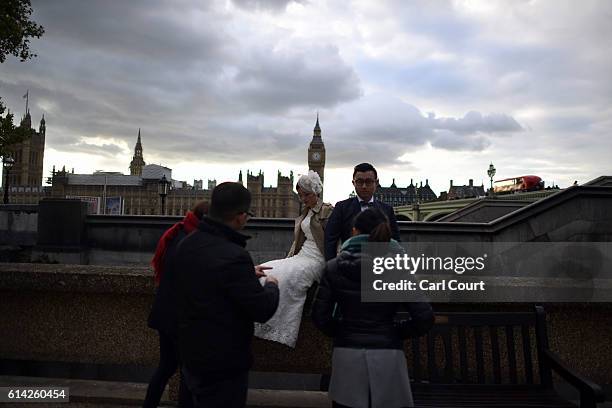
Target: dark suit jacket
<point x="219" y="298"/>
<point x="341" y="219"/>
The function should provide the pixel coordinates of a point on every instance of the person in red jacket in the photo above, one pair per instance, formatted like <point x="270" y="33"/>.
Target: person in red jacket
<point x="163" y="316"/>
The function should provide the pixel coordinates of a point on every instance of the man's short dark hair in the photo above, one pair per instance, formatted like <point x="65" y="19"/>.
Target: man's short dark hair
<point x="229" y="199"/>
<point x="364" y="167"/>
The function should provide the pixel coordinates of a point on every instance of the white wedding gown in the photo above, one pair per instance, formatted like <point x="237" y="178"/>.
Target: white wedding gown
<point x="295" y="275"/>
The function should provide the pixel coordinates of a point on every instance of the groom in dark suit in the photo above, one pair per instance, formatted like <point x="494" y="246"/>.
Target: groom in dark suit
<point x="340" y="223"/>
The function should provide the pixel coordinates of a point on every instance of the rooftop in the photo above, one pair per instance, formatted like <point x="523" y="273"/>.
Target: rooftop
<point x="104" y="179"/>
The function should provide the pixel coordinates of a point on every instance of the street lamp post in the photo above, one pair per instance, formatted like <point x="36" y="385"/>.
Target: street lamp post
<point x="7" y="163"/>
<point x="491" y="173"/>
<point x="415" y="205"/>
<point x="163" y="186"/>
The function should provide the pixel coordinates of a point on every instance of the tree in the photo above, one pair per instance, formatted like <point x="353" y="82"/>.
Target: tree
<point x="16" y="29"/>
<point x="9" y="134"/>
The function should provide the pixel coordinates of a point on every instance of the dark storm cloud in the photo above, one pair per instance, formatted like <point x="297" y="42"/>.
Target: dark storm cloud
<point x="314" y="76"/>
<point x="448" y="140"/>
<point x="170" y="68"/>
<point x="149" y="30"/>
<point x="474" y="122"/>
<point x="106" y="150"/>
<point x="386" y="128"/>
<point x="210" y="83"/>
<point x="237" y="141"/>
<point x="70" y="116"/>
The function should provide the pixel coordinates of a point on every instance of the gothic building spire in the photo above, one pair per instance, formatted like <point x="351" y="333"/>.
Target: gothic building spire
<point x="26" y="121"/>
<point x="42" y="127"/>
<point x="138" y="162"/>
<point x="316" y="151"/>
<point x="317" y="128"/>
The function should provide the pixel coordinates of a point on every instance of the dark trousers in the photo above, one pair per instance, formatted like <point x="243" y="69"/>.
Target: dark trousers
<point x="168" y="363"/>
<point x="226" y="393"/>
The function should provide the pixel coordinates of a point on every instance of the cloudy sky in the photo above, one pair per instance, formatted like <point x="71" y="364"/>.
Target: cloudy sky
<point x="422" y="89"/>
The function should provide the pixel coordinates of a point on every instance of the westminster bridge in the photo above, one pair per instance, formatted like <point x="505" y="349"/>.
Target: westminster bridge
<point x="439" y="210"/>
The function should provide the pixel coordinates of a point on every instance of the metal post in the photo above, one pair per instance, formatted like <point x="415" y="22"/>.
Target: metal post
<point x="163" y="186"/>
<point x="6" y="185"/>
<point x="7" y="163"/>
<point x="491" y="173"/>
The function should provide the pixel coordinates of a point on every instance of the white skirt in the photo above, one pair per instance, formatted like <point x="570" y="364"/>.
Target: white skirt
<point x="295" y="276"/>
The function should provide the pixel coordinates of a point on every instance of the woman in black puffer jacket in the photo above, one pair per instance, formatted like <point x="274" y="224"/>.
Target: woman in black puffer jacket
<point x="368" y="364"/>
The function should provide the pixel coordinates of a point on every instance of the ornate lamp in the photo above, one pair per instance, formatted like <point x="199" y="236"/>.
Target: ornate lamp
<point x="7" y="163"/>
<point x="162" y="188"/>
<point x="491" y="173"/>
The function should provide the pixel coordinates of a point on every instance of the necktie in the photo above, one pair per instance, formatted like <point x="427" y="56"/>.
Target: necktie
<point x="365" y="206"/>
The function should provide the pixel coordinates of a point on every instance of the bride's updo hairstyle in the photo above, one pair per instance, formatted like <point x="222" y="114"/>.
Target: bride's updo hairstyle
<point x="375" y="223"/>
<point x="310" y="183"/>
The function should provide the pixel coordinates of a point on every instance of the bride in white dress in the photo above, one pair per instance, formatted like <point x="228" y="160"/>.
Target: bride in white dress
<point x="302" y="267"/>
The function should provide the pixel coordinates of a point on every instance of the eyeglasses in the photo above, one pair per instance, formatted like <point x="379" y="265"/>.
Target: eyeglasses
<point x="364" y="182"/>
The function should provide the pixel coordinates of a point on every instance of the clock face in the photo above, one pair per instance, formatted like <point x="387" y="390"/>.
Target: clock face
<point x="316" y="156"/>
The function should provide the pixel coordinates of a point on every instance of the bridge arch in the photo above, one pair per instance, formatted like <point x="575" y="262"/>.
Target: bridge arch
<point x="404" y="217"/>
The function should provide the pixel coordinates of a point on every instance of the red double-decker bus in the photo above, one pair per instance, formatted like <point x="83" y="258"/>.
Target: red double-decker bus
<point x="518" y="184"/>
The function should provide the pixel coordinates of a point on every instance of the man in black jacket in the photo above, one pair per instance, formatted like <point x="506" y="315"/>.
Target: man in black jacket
<point x="365" y="180"/>
<point x="219" y="299"/>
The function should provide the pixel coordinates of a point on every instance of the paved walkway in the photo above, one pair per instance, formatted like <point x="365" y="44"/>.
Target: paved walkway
<point x="99" y="394"/>
<point x="106" y="394"/>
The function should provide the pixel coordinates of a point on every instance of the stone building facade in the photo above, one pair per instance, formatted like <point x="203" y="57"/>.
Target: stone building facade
<point x="273" y="202"/>
<point x="133" y="194"/>
<point x="25" y="177"/>
<point x="396" y="196"/>
<point x="28" y="155"/>
<point x="470" y="191"/>
<point x="138" y="192"/>
<point x="28" y="194"/>
<point x="116" y="193"/>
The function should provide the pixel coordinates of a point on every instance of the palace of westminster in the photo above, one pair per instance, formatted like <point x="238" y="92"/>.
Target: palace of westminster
<point x="139" y="192"/>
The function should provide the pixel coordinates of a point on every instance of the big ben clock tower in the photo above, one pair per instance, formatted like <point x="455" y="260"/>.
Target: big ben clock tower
<point x="316" y="152"/>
